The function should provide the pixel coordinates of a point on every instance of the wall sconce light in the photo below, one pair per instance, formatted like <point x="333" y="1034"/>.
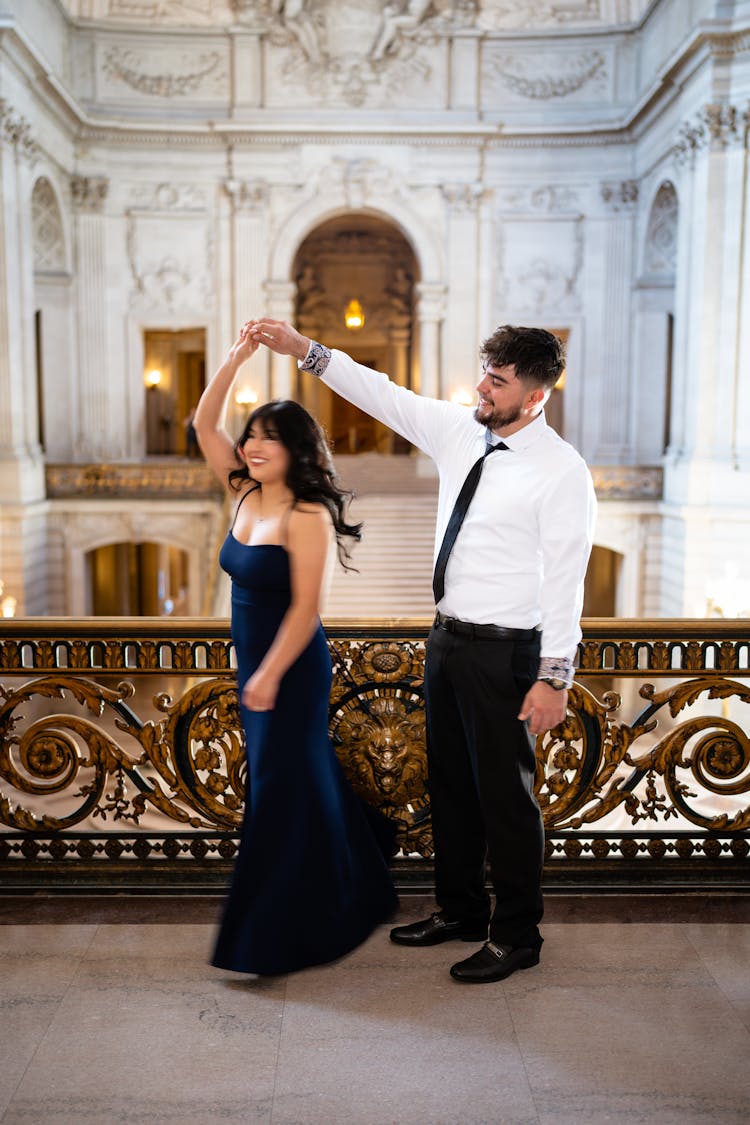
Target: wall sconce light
<point x="354" y="315"/>
<point x="462" y="396"/>
<point x="152" y="378"/>
<point x="7" y="604"/>
<point x="245" y="396"/>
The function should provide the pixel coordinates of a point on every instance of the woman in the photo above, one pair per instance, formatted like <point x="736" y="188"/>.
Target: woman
<point x="311" y="880"/>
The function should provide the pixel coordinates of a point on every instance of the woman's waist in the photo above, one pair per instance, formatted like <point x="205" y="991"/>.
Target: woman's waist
<point x="260" y="597"/>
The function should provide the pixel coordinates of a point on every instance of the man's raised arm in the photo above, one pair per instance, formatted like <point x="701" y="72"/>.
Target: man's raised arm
<point x="422" y="421"/>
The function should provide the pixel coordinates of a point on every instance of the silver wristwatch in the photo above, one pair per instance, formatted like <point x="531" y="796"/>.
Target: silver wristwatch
<point x="553" y="681"/>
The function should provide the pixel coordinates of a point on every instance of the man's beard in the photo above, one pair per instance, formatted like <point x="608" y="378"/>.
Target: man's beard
<point x="497" y="420"/>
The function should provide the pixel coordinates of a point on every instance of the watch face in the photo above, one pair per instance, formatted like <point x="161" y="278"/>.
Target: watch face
<point x="558" y="685"/>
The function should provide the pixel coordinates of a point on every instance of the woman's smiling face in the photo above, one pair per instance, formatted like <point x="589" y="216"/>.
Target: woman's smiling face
<point x="265" y="455"/>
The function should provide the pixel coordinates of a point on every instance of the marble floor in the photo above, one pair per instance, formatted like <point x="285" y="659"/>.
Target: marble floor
<point x="109" y="1013"/>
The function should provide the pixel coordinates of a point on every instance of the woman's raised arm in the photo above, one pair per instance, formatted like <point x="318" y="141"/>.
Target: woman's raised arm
<point x="216" y="444"/>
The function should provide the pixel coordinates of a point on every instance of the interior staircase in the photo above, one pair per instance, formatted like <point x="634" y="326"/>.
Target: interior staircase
<point x="396" y="500"/>
<point x="393" y="560"/>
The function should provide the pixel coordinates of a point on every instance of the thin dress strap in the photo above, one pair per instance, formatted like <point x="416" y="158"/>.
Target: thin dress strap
<point x="242" y="499"/>
<point x="284" y="525"/>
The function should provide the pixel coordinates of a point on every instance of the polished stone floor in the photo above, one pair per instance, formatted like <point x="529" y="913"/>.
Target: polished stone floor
<point x="109" y="1013"/>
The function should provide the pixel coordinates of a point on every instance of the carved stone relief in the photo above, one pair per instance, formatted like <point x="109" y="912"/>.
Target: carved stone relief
<point x="619" y="195"/>
<point x="661" y="237"/>
<point x="716" y="126"/>
<point x="191" y="13"/>
<point x="164" y="73"/>
<point x="16" y="131"/>
<point x="47" y="228"/>
<point x="540" y="267"/>
<point x="89" y="193"/>
<point x="510" y="15"/>
<point x="354" y="53"/>
<point x="171" y="262"/>
<point x="551" y="199"/>
<point x="167" y="197"/>
<point x="541" y="75"/>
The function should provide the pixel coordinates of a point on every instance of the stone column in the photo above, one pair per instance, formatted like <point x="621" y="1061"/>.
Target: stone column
<point x="21" y="469"/>
<point x="249" y="199"/>
<point x="707" y="467"/>
<point x="398" y="353"/>
<point x="280" y="296"/>
<point x="613" y="359"/>
<point x="22" y="489"/>
<point x="93" y="437"/>
<point x="430" y="314"/>
<point x="460" y="360"/>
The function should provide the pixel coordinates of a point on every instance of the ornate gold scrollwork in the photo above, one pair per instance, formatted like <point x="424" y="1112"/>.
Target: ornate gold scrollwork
<point x="377" y="726"/>
<point x="187" y="764"/>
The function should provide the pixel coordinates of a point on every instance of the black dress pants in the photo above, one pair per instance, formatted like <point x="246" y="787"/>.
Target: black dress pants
<point x="482" y="765"/>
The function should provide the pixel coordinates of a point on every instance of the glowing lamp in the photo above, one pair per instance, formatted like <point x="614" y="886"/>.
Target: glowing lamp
<point x="245" y="396"/>
<point x="461" y="396"/>
<point x="153" y="378"/>
<point x="354" y="316"/>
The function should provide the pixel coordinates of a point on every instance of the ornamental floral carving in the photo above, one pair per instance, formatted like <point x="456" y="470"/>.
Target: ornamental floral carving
<point x="16" y="131"/>
<point x="620" y="195"/>
<point x="565" y="74"/>
<point x="89" y="193"/>
<point x="126" y="66"/>
<point x="716" y="126"/>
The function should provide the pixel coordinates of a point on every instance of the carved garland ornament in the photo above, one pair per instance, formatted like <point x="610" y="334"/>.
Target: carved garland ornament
<point x="584" y="68"/>
<point x="123" y="65"/>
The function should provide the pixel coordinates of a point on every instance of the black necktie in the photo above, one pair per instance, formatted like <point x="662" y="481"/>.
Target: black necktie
<point x="460" y="508"/>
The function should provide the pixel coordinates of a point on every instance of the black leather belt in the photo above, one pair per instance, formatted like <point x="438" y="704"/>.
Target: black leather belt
<point x="485" y="632"/>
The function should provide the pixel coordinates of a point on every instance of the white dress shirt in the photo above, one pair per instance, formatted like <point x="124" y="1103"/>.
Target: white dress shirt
<point x="521" y="554"/>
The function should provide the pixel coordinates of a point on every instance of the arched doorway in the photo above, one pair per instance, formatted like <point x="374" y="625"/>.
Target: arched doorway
<point x="355" y="277"/>
<point x="137" y="580"/>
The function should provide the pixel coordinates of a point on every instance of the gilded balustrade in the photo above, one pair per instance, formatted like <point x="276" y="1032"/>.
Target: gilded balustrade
<point x="122" y="756"/>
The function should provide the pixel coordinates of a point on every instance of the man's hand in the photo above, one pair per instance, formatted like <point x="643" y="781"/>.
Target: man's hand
<point x="281" y="338"/>
<point x="544" y="707"/>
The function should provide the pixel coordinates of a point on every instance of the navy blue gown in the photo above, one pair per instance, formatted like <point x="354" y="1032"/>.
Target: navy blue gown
<point x="311" y="880"/>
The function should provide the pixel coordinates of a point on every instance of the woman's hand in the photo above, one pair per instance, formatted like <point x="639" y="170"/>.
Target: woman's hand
<point x="244" y="346"/>
<point x="280" y="337"/>
<point x="260" y="691"/>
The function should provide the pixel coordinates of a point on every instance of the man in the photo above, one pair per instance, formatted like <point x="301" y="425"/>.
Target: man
<point x="516" y="510"/>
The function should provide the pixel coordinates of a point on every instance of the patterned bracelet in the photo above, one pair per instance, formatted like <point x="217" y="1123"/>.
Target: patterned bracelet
<point x="317" y="359"/>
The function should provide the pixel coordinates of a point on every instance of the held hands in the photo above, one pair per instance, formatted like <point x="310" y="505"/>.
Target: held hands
<point x="280" y="337"/>
<point x="244" y="346"/>
<point x="544" y="707"/>
<point x="260" y="691"/>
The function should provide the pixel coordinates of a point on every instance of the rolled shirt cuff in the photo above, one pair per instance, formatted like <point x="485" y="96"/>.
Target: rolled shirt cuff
<point x="556" y="668"/>
<point x="317" y="359"/>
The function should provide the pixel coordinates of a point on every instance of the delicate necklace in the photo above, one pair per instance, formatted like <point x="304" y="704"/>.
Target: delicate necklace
<point x="260" y="518"/>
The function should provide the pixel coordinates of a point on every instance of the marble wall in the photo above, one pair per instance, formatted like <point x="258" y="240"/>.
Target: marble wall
<point x="580" y="164"/>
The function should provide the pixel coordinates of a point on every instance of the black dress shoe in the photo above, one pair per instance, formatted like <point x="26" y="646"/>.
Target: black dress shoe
<point x="494" y="962"/>
<point x="436" y="929"/>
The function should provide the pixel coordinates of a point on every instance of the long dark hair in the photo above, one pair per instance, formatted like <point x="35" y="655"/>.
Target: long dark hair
<point x="311" y="475"/>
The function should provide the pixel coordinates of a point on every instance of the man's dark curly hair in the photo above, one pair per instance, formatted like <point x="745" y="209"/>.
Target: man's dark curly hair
<point x="311" y="475"/>
<point x="537" y="355"/>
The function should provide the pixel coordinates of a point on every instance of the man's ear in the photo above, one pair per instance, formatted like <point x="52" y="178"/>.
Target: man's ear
<point x="535" y="399"/>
